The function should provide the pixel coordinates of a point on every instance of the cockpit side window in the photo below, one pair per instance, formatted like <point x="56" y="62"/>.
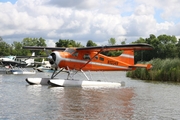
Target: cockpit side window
<point x="101" y="58"/>
<point x="75" y="54"/>
<point x="96" y="57"/>
<point x="69" y="50"/>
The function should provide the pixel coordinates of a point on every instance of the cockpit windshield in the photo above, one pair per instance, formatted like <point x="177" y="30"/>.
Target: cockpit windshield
<point x="69" y="50"/>
<point x="10" y="57"/>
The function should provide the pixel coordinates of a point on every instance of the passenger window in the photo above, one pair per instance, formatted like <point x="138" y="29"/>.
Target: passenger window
<point x="102" y="59"/>
<point x="96" y="57"/>
<point x="86" y="57"/>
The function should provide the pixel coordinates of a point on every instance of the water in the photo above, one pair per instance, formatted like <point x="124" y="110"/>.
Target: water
<point x="137" y="100"/>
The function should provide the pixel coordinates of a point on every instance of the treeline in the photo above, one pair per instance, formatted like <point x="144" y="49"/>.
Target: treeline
<point x="165" y="59"/>
<point x="165" y="46"/>
<point x="163" y="70"/>
<point x="16" y="47"/>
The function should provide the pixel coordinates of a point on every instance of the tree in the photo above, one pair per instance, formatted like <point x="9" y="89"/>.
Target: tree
<point x="41" y="42"/>
<point x="5" y="48"/>
<point x="112" y="41"/>
<point x="34" y="42"/>
<point x="17" y="49"/>
<point x="167" y="46"/>
<point x="68" y="43"/>
<point x="1" y="39"/>
<point x="123" y="43"/>
<point x="164" y="47"/>
<point x="178" y="48"/>
<point x="90" y="43"/>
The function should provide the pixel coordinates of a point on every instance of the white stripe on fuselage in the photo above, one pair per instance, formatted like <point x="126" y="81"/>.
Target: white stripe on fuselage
<point x="93" y="63"/>
<point x="127" y="55"/>
<point x="59" y="59"/>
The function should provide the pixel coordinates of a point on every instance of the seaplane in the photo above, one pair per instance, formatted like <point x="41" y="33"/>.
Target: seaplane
<point x="74" y="60"/>
<point x="21" y="61"/>
<point x="17" y="64"/>
<point x="45" y="66"/>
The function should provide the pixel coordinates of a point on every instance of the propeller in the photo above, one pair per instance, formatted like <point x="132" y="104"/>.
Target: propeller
<point x="52" y="60"/>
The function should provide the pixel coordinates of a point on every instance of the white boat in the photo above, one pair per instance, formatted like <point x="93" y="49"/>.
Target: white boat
<point x="22" y="72"/>
<point x="71" y="82"/>
<point x="46" y="67"/>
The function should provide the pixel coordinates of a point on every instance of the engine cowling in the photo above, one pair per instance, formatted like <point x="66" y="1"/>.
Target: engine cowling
<point x="54" y="59"/>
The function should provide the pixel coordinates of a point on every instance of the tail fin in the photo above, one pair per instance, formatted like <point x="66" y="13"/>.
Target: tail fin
<point x="33" y="54"/>
<point x="31" y="60"/>
<point x="43" y="62"/>
<point x="127" y="56"/>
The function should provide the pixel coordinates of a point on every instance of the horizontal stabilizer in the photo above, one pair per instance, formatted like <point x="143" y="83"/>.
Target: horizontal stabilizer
<point x="147" y="66"/>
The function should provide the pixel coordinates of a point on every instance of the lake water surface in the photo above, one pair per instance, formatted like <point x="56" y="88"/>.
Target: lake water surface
<point x="137" y="100"/>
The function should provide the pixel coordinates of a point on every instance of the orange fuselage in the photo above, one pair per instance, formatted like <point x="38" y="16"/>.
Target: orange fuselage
<point x="94" y="62"/>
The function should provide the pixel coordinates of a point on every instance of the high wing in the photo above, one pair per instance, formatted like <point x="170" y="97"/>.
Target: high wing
<point x="140" y="46"/>
<point x="28" y="57"/>
<point x="13" y="63"/>
<point x="43" y="48"/>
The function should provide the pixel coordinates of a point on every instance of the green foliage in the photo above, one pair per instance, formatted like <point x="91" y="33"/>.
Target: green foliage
<point x="163" y="70"/>
<point x="112" y="41"/>
<point x="1" y="39"/>
<point x="5" y="49"/>
<point x="123" y="42"/>
<point x="90" y="43"/>
<point x="178" y="48"/>
<point x="16" y="47"/>
<point x="164" y="47"/>
<point x="33" y="42"/>
<point x="68" y="43"/>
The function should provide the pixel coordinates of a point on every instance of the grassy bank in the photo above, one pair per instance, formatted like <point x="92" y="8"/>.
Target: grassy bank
<point x="163" y="70"/>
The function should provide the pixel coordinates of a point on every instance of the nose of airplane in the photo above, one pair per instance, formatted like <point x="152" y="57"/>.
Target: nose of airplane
<point x="54" y="59"/>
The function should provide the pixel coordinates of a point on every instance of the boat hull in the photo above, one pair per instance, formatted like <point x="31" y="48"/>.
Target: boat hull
<point x="16" y="72"/>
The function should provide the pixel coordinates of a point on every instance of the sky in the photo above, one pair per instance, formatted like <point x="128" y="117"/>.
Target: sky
<point x="83" y="20"/>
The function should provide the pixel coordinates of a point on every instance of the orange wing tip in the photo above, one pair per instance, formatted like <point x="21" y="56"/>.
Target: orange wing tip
<point x="147" y="66"/>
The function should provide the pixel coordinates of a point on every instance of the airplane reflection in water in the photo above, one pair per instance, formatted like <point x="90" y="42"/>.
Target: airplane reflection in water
<point x="94" y="103"/>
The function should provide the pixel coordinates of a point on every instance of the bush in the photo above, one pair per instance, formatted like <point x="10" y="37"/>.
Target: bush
<point x="163" y="70"/>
